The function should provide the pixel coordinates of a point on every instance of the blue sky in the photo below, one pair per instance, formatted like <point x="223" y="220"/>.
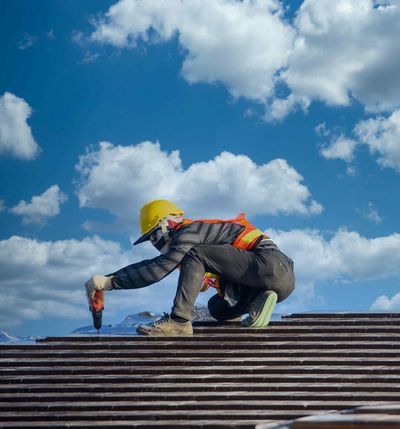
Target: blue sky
<point x="286" y="110"/>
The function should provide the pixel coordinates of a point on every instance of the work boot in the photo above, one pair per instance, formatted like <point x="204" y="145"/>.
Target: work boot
<point x="260" y="310"/>
<point x="165" y="327"/>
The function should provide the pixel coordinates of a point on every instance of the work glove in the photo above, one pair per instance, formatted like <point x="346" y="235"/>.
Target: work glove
<point x="96" y="283"/>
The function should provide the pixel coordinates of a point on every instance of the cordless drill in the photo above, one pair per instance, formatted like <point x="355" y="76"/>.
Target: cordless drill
<point x="97" y="307"/>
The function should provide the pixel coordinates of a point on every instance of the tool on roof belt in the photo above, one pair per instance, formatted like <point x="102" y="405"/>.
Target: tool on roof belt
<point x="97" y="307"/>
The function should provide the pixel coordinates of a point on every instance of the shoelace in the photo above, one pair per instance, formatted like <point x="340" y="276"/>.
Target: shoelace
<point x="163" y="320"/>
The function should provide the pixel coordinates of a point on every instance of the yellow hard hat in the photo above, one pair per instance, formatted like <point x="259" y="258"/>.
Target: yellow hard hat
<point x="151" y="214"/>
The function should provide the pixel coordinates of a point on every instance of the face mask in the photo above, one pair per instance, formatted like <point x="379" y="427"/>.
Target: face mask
<point x="160" y="238"/>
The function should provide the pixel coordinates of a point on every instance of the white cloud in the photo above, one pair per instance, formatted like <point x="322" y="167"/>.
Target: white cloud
<point x="322" y="130"/>
<point x="384" y="303"/>
<point x="341" y="148"/>
<point x="345" y="257"/>
<point x="120" y="179"/>
<point x="381" y="135"/>
<point x="90" y="57"/>
<point x="41" y="279"/>
<point x="279" y="108"/>
<point x="351" y="170"/>
<point x="27" y="41"/>
<point x="372" y="214"/>
<point x="347" y="49"/>
<point x="15" y="133"/>
<point x="241" y="44"/>
<point x="41" y="207"/>
<point x="79" y="38"/>
<point x="334" y="51"/>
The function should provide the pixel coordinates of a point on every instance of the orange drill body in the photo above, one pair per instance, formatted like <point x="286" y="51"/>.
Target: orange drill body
<point x="97" y="307"/>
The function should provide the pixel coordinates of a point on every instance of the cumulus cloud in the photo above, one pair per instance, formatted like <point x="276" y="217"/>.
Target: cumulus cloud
<point x="381" y="135"/>
<point x="43" y="279"/>
<point x="279" y="108"/>
<point x="346" y="50"/>
<point x="345" y="257"/>
<point x="333" y="51"/>
<point x="341" y="148"/>
<point x="41" y="207"/>
<point x="241" y="44"/>
<point x="384" y="303"/>
<point x="338" y="147"/>
<point x="120" y="179"/>
<point x="15" y="134"/>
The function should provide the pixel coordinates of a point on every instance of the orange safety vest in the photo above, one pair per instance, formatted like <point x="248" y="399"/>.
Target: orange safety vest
<point x="245" y="240"/>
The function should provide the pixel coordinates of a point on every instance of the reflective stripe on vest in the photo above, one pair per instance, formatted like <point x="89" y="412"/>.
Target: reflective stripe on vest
<point x="249" y="238"/>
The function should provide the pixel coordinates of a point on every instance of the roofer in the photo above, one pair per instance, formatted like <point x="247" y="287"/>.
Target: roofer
<point x="246" y="267"/>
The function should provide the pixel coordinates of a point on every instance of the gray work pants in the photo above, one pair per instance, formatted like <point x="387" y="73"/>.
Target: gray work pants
<point x="244" y="272"/>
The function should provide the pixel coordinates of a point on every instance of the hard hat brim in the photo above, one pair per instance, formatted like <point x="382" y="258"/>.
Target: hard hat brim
<point x="145" y="237"/>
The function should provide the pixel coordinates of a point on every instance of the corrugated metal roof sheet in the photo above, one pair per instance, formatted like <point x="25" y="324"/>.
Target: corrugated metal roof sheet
<point x="384" y="416"/>
<point x="224" y="376"/>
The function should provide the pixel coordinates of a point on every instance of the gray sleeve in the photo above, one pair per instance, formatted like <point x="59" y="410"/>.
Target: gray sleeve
<point x="150" y="271"/>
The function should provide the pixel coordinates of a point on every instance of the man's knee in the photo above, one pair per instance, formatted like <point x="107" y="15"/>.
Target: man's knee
<point x="281" y="279"/>
<point x="284" y="284"/>
<point x="284" y="290"/>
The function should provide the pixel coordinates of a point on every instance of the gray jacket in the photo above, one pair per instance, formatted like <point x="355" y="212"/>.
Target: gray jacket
<point x="150" y="271"/>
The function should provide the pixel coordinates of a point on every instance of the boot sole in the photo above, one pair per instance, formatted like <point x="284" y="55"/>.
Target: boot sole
<point x="266" y="313"/>
<point x="146" y="333"/>
<point x="160" y="334"/>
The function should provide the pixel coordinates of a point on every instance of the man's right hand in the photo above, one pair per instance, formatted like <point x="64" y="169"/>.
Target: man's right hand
<point x="97" y="282"/>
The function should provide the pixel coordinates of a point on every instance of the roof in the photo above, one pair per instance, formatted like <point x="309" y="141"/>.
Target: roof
<point x="225" y="376"/>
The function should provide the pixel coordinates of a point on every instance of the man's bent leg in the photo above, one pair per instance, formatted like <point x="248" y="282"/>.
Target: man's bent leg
<point x="233" y="264"/>
<point x="190" y="281"/>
